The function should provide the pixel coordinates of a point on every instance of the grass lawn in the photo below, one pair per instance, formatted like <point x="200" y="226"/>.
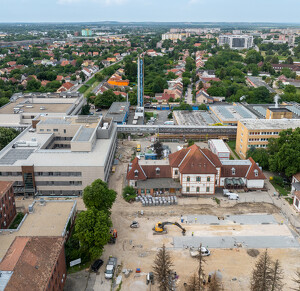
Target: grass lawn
<point x="91" y="88"/>
<point x="83" y="88"/>
<point x="78" y="268"/>
<point x="281" y="190"/>
<point x="289" y="200"/>
<point x="17" y="220"/>
<point x="231" y="144"/>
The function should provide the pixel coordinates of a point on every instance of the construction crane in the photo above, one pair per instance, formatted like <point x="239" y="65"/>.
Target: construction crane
<point x="159" y="227"/>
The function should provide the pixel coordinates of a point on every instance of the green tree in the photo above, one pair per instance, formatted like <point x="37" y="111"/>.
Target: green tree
<point x="284" y="152"/>
<point x="290" y="89"/>
<point x="33" y="85"/>
<point x="99" y="196"/>
<point x="262" y="274"/>
<point x="107" y="98"/>
<point x="6" y="136"/>
<point x="253" y="57"/>
<point x="163" y="269"/>
<point x="3" y="101"/>
<point x="92" y="229"/>
<point x="99" y="77"/>
<point x="260" y="156"/>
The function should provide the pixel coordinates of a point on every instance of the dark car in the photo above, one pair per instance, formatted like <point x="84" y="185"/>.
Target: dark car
<point x="96" y="265"/>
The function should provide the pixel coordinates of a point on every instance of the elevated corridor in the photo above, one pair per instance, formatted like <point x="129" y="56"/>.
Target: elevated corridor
<point x="176" y="131"/>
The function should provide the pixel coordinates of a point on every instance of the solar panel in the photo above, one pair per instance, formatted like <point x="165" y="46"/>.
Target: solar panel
<point x="14" y="155"/>
<point x="260" y="110"/>
<point x="225" y="113"/>
<point x="207" y="118"/>
<point x="294" y="110"/>
<point x="243" y="112"/>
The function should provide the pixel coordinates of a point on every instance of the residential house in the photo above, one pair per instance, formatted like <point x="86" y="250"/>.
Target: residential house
<point x="296" y="191"/>
<point x="203" y="97"/>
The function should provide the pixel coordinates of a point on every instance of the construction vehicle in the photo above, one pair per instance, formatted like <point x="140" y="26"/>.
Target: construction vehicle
<point x="113" y="236"/>
<point x="159" y="227"/>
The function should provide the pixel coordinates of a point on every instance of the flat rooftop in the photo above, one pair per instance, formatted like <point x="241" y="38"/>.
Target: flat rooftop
<point x="184" y="117"/>
<point x="231" y="113"/>
<point x="118" y="111"/>
<point x="35" y="105"/>
<point x="46" y="220"/>
<point x="259" y="124"/>
<point x="220" y="145"/>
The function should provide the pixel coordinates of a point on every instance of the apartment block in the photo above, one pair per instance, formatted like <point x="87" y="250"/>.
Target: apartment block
<point x="59" y="156"/>
<point x="7" y="204"/>
<point x="236" y="41"/>
<point x="256" y="132"/>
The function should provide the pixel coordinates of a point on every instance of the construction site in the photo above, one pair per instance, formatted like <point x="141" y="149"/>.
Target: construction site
<point x="234" y="233"/>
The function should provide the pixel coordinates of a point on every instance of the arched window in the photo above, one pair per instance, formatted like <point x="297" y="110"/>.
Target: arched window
<point x="208" y="179"/>
<point x="188" y="178"/>
<point x="198" y="179"/>
<point x="136" y="173"/>
<point x="233" y="171"/>
<point x="157" y="171"/>
<point x="255" y="173"/>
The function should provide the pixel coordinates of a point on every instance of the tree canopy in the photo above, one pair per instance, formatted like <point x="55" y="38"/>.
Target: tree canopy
<point x="92" y="229"/>
<point x="7" y="135"/>
<point x="99" y="196"/>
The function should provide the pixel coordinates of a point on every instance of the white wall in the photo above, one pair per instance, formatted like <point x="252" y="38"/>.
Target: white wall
<point x="203" y="184"/>
<point x="296" y="200"/>
<point x="255" y="183"/>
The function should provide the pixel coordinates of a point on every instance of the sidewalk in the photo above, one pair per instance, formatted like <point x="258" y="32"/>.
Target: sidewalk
<point x="287" y="210"/>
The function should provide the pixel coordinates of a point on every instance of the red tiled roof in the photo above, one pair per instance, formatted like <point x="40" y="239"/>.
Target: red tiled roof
<point x="212" y="157"/>
<point x="177" y="157"/>
<point x="67" y="85"/>
<point x="151" y="173"/>
<point x="297" y="176"/>
<point x="240" y="171"/>
<point x="32" y="260"/>
<point x="251" y="172"/>
<point x="195" y="162"/>
<point x="135" y="167"/>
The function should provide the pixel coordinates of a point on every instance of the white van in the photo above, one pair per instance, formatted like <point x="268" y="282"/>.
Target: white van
<point x="233" y="196"/>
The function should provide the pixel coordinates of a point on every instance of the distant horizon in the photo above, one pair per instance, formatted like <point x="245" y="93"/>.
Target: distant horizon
<point x="215" y="11"/>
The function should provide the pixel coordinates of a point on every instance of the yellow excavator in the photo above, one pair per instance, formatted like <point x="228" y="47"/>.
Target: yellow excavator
<point x="159" y="227"/>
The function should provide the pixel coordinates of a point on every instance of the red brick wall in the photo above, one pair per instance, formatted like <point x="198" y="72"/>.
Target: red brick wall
<point x="7" y="208"/>
<point x="59" y="273"/>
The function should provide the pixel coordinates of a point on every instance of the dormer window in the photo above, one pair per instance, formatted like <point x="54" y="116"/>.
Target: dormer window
<point x="233" y="171"/>
<point x="136" y="173"/>
<point x="157" y="171"/>
<point x="256" y="173"/>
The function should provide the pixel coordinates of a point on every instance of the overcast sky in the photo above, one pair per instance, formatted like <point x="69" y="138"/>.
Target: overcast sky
<point x="150" y="10"/>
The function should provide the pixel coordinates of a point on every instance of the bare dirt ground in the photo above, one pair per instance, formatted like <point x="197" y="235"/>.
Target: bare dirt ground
<point x="136" y="248"/>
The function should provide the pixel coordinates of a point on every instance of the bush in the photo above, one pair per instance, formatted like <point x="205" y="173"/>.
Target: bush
<point x="129" y="193"/>
<point x="17" y="220"/>
<point x="278" y="180"/>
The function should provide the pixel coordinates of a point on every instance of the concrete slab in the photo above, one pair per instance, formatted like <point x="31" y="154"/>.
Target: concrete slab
<point x="231" y="242"/>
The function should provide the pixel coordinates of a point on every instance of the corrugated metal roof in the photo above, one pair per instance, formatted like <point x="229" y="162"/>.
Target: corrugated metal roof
<point x="4" y="278"/>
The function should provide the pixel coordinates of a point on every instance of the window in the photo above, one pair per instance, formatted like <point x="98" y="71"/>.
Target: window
<point x="233" y="171"/>
<point x="157" y="171"/>
<point x="65" y="131"/>
<point x="207" y="189"/>
<point x="208" y="179"/>
<point x="148" y="191"/>
<point x="136" y="173"/>
<point x="255" y="173"/>
<point x="187" y="189"/>
<point x="41" y="129"/>
<point x="188" y="178"/>
<point x="48" y="129"/>
<point x="142" y="191"/>
<point x="198" y="179"/>
<point x="176" y="172"/>
<point x="198" y="189"/>
<point x="55" y="129"/>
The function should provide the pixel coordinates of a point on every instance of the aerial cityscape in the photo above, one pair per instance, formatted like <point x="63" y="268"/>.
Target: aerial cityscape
<point x="149" y="146"/>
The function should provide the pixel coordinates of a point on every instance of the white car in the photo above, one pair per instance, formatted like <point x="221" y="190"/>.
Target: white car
<point x="233" y="196"/>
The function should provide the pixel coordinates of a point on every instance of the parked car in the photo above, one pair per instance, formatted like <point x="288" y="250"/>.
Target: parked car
<point x="110" y="268"/>
<point x="204" y="251"/>
<point x="233" y="196"/>
<point x="97" y="265"/>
